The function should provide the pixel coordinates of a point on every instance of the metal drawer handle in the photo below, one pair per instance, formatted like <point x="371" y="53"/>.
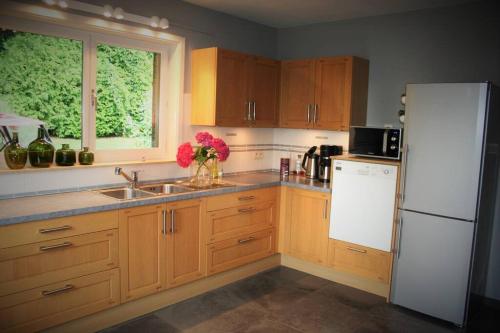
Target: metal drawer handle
<point x="250" y="197"/>
<point x="246" y="210"/>
<point x="56" y="246"/>
<point x="356" y="250"/>
<point x="58" y="290"/>
<point x="61" y="228"/>
<point x="249" y="239"/>
<point x="164" y="221"/>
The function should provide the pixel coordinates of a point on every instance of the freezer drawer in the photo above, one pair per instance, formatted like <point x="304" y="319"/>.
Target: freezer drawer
<point x="432" y="269"/>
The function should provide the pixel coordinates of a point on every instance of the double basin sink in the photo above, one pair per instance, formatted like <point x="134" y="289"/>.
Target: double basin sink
<point x="146" y="191"/>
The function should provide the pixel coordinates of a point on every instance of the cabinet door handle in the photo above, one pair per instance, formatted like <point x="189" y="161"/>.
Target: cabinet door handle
<point x="245" y="240"/>
<point x="325" y="210"/>
<point x="308" y="113"/>
<point x="249" y="197"/>
<point x="172" y="221"/>
<point x="164" y="221"/>
<point x="315" y="114"/>
<point x="56" y="246"/>
<point x="249" y="111"/>
<point x="58" y="290"/>
<point x="253" y="103"/>
<point x="356" y="250"/>
<point x="61" y="228"/>
<point x="246" y="210"/>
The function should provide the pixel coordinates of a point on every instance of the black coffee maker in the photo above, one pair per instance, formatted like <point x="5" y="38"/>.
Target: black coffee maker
<point x="325" y="162"/>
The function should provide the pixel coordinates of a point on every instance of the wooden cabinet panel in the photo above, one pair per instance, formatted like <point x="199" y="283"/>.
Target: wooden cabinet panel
<point x="33" y="232"/>
<point x="46" y="306"/>
<point x="32" y="265"/>
<point x="241" y="198"/>
<point x="360" y="260"/>
<point x="142" y="251"/>
<point x="186" y="258"/>
<point x="297" y="93"/>
<point x="308" y="225"/>
<point x="264" y="82"/>
<point x="239" y="251"/>
<point x="237" y="221"/>
<point x="231" y="96"/>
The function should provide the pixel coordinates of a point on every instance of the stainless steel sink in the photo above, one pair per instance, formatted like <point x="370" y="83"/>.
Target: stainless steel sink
<point x="125" y="193"/>
<point x="165" y="188"/>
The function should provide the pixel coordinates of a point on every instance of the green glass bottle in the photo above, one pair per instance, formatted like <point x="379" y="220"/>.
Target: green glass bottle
<point x="40" y="151"/>
<point x="65" y="156"/>
<point x="15" y="154"/>
<point x="85" y="157"/>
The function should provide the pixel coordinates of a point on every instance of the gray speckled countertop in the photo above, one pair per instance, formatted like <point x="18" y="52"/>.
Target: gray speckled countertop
<point x="42" y="207"/>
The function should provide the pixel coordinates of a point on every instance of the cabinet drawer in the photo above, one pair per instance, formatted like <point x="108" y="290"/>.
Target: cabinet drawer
<point x="37" y="264"/>
<point x="236" y="221"/>
<point x="32" y="232"/>
<point x="239" y="251"/>
<point x="240" y="198"/>
<point x="46" y="306"/>
<point x="361" y="260"/>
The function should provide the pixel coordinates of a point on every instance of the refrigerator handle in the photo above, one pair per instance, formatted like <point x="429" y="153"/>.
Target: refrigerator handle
<point x="402" y="186"/>
<point x="400" y="228"/>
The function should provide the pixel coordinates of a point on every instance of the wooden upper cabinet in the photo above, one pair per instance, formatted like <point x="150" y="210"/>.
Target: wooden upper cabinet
<point x="264" y="81"/>
<point x="297" y="93"/>
<point x="233" y="89"/>
<point x="307" y="216"/>
<point x="142" y="251"/>
<point x="325" y="93"/>
<point x="186" y="250"/>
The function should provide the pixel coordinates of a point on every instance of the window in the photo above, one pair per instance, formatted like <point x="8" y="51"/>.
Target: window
<point x="92" y="89"/>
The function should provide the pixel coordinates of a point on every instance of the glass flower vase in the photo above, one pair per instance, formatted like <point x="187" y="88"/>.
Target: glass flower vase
<point x="201" y="175"/>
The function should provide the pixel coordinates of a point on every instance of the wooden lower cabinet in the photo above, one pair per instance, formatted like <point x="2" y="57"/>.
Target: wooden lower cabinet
<point x="360" y="260"/>
<point x="307" y="225"/>
<point x="186" y="251"/>
<point x="49" y="305"/>
<point x="161" y="246"/>
<point x="238" y="251"/>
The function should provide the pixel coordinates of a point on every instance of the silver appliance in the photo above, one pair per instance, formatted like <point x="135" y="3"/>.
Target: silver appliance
<point x="447" y="129"/>
<point x="377" y="142"/>
<point x="310" y="163"/>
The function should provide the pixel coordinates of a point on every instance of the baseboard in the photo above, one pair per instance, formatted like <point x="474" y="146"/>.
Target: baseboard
<point x="147" y="304"/>
<point x="334" y="275"/>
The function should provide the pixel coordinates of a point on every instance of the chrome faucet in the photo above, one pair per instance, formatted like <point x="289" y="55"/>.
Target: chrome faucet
<point x="132" y="180"/>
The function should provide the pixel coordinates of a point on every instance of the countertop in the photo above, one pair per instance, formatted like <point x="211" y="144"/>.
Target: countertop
<point x="42" y="207"/>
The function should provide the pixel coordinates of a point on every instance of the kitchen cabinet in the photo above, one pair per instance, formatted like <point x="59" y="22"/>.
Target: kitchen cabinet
<point x="233" y="89"/>
<point x="324" y="93"/>
<point x="160" y="247"/>
<point x="307" y="224"/>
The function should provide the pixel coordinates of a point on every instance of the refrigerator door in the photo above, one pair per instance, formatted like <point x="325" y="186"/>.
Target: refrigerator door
<point x="432" y="265"/>
<point x="444" y="136"/>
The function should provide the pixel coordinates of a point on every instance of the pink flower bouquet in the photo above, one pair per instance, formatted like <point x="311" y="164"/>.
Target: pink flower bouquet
<point x="209" y="148"/>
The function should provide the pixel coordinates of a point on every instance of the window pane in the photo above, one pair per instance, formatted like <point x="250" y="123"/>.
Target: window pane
<point x="41" y="78"/>
<point x="127" y="98"/>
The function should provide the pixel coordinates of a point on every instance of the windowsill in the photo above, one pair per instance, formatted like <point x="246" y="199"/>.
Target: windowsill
<point x="77" y="166"/>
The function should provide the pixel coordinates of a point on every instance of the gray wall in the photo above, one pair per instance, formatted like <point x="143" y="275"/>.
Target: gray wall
<point x="452" y="44"/>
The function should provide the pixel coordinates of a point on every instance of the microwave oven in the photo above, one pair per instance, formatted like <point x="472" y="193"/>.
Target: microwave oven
<point x="378" y="142"/>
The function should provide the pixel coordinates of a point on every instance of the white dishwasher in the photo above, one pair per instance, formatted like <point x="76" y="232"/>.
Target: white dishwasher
<point x="363" y="199"/>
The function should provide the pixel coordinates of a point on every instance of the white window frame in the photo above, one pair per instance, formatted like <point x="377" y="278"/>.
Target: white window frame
<point x="36" y="19"/>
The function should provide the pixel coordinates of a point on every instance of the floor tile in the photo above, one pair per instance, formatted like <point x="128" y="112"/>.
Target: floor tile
<point x="147" y="324"/>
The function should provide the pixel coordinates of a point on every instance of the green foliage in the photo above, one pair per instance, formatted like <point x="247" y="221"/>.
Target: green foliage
<point x="41" y="77"/>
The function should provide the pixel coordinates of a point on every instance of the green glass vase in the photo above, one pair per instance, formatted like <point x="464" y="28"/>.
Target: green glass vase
<point x="85" y="157"/>
<point x="40" y="151"/>
<point x="65" y="156"/>
<point x="15" y="154"/>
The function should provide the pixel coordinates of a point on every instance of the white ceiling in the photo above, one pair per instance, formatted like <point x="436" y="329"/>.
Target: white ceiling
<point x="290" y="13"/>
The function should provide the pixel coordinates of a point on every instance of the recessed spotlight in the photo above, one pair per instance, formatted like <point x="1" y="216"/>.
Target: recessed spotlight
<point x="107" y="11"/>
<point x="63" y="4"/>
<point x="155" y="21"/>
<point x="118" y="13"/>
<point x="164" y="23"/>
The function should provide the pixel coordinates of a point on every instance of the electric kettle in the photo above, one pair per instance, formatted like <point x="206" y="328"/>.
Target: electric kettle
<point x="310" y="163"/>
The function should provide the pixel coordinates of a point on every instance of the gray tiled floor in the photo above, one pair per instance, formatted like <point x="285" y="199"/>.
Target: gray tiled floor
<point x="286" y="300"/>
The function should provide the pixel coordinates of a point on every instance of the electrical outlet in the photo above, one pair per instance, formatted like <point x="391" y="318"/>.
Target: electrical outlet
<point x="259" y="155"/>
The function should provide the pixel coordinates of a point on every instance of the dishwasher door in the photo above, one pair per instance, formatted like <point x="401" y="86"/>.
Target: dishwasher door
<point x="363" y="203"/>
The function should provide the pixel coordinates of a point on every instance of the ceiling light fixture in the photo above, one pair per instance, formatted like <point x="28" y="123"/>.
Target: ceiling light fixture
<point x="107" y="11"/>
<point x="118" y="13"/>
<point x="155" y="22"/>
<point x="164" y="24"/>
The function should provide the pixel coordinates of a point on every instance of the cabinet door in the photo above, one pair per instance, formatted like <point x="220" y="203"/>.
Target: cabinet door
<point x="264" y="81"/>
<point x="142" y="251"/>
<point x="186" y="257"/>
<point x="332" y="93"/>
<point x="232" y="100"/>
<point x="307" y="225"/>
<point x="297" y="93"/>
